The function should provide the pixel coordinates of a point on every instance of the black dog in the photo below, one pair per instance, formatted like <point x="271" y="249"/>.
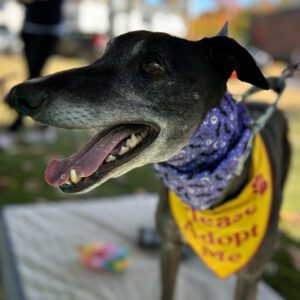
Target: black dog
<point x="147" y="96"/>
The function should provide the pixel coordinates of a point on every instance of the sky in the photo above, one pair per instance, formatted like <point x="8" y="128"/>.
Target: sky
<point x="200" y="6"/>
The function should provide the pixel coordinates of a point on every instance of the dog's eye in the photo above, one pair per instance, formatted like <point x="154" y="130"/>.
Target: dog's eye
<point x="151" y="66"/>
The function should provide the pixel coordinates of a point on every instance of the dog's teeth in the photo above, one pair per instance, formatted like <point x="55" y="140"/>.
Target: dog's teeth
<point x="75" y="178"/>
<point x="128" y="143"/>
<point x="123" y="150"/>
<point x="68" y="182"/>
<point x="110" y="158"/>
<point x="132" y="142"/>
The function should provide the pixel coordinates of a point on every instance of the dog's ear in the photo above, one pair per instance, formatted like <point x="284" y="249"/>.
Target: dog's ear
<point x="224" y="30"/>
<point x="226" y="56"/>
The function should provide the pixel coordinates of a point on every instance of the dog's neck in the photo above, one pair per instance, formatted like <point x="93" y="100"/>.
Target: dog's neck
<point x="202" y="174"/>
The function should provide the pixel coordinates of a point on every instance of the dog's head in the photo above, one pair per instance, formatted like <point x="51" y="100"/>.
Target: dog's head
<point x="146" y="96"/>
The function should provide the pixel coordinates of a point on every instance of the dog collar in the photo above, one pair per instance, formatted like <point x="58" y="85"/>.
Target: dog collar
<point x="199" y="173"/>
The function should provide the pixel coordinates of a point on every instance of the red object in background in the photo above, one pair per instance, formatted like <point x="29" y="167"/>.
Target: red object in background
<point x="233" y="75"/>
<point x="100" y="41"/>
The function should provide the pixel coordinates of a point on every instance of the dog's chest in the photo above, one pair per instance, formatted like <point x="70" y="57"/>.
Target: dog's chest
<point x="227" y="237"/>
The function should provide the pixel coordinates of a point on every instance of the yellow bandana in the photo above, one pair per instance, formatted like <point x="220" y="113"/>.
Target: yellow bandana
<point x="227" y="237"/>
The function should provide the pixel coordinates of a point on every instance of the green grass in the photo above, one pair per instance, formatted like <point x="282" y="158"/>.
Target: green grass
<point x="22" y="181"/>
<point x="291" y="203"/>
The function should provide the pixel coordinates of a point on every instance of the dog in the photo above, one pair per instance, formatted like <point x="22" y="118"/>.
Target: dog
<point x="147" y="96"/>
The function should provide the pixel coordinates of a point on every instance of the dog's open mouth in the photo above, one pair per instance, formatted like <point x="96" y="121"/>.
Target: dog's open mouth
<point x="104" y="152"/>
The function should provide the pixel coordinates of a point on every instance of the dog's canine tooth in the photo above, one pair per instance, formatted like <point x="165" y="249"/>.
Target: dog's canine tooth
<point x="68" y="182"/>
<point x="110" y="158"/>
<point x="123" y="150"/>
<point x="75" y="178"/>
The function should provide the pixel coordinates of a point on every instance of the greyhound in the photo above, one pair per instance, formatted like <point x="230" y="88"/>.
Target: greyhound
<point x="147" y="96"/>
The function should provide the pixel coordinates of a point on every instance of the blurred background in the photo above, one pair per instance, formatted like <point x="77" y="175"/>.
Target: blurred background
<point x="269" y="29"/>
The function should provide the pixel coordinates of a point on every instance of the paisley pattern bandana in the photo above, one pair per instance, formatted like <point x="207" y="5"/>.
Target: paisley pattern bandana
<point x="199" y="173"/>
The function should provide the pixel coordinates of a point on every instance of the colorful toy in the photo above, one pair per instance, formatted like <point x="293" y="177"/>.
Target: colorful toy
<point x="104" y="256"/>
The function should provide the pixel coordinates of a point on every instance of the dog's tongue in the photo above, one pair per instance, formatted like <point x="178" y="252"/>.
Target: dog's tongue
<point x="88" y="159"/>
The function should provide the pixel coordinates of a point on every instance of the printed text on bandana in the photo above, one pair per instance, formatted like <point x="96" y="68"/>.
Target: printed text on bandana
<point x="227" y="237"/>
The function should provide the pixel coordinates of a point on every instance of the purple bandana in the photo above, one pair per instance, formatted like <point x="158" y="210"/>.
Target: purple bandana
<point x="199" y="173"/>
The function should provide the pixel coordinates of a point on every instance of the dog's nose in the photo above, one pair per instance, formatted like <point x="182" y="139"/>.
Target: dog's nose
<point x="25" y="98"/>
